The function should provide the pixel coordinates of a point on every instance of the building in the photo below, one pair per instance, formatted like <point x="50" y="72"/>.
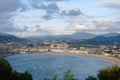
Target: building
<point x="59" y="46"/>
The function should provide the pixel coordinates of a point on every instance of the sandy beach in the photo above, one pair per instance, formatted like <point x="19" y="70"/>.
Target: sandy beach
<point x="117" y="60"/>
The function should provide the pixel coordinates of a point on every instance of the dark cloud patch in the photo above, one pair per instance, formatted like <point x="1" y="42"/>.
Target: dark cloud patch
<point x="118" y="17"/>
<point x="39" y="28"/>
<point x="7" y="25"/>
<point x="5" y="22"/>
<point x="50" y="8"/>
<point x="38" y="4"/>
<point x="7" y="7"/>
<point x="25" y="28"/>
<point x="4" y="18"/>
<point x="56" y="0"/>
<point x="71" y="12"/>
<point x="11" y="5"/>
<point x="43" y="31"/>
<point x="47" y="17"/>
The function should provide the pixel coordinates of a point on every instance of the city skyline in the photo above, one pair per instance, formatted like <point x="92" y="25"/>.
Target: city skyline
<point x="26" y="18"/>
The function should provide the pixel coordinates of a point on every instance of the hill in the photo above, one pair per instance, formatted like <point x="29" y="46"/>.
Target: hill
<point x="8" y="38"/>
<point x="7" y="73"/>
<point x="75" y="36"/>
<point x="110" y="34"/>
<point x="101" y="40"/>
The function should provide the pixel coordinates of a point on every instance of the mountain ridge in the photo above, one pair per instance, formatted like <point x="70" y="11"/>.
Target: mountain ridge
<point x="102" y="40"/>
<point x="75" y="36"/>
<point x="8" y="38"/>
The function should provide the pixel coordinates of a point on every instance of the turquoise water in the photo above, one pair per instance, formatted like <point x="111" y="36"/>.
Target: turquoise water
<point x="47" y="65"/>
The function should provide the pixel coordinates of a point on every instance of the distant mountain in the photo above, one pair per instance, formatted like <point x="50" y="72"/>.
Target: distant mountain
<point x="8" y="38"/>
<point x="110" y="34"/>
<point x="3" y="34"/>
<point x="82" y="35"/>
<point x="75" y="36"/>
<point x="101" y="40"/>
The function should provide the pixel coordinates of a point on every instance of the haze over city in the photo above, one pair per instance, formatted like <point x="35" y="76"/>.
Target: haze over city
<point x="25" y="18"/>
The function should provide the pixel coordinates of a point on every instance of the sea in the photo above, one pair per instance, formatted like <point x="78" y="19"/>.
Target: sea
<point x="42" y="66"/>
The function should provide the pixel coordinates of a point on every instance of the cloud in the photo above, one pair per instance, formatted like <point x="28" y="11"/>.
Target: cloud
<point x="114" y="27"/>
<point x="44" y="31"/>
<point x="56" y="0"/>
<point x="34" y="31"/>
<point x="78" y="27"/>
<point x="5" y="22"/>
<point x="7" y="8"/>
<point x="37" y="4"/>
<point x="102" y="26"/>
<point x="72" y="12"/>
<point x="4" y="18"/>
<point x="11" y="5"/>
<point x="47" y="17"/>
<point x="50" y="8"/>
<point x="110" y="4"/>
<point x="7" y="25"/>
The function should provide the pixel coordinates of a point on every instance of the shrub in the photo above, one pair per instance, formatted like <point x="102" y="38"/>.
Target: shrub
<point x="7" y="73"/>
<point x="109" y="73"/>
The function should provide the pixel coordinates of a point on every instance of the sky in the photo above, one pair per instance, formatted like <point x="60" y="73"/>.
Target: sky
<point x="25" y="18"/>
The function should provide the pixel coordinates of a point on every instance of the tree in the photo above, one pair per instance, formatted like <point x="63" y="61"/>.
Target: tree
<point x="91" y="78"/>
<point x="5" y="70"/>
<point x="7" y="73"/>
<point x="109" y="73"/>
<point x="68" y="75"/>
<point x="55" y="77"/>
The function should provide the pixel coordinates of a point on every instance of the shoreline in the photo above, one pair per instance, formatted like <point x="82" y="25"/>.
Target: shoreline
<point x="113" y="59"/>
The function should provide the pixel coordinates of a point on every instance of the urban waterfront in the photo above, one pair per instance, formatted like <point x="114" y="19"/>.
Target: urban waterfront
<point x="47" y="65"/>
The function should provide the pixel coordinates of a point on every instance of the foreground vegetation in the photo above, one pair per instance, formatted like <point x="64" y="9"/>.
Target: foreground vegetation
<point x="7" y="73"/>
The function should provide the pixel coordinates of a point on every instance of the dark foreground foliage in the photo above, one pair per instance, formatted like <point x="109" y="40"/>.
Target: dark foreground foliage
<point x="109" y="73"/>
<point x="7" y="73"/>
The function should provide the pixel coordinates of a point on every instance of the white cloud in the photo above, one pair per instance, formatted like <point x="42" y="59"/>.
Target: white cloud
<point x="101" y="26"/>
<point x="110" y="4"/>
<point x="79" y="27"/>
<point x="32" y="31"/>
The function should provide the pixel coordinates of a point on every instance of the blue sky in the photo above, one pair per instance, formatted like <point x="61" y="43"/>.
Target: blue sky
<point x="26" y="18"/>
